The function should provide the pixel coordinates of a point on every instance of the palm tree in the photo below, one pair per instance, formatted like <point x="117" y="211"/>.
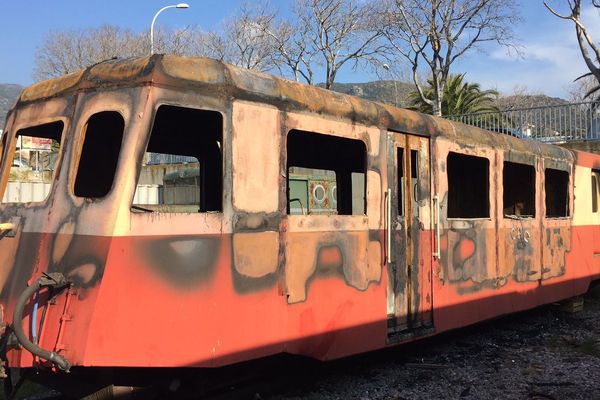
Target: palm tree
<point x="460" y="97"/>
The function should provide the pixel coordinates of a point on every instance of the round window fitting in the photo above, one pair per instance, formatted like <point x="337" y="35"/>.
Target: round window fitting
<point x="334" y="193"/>
<point x="319" y="193"/>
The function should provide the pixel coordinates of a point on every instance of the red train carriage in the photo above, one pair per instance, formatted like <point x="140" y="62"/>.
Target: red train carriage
<point x="198" y="215"/>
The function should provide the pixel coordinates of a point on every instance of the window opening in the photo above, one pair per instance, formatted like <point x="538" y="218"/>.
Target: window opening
<point x="519" y="190"/>
<point x="99" y="154"/>
<point x="33" y="162"/>
<point x="594" y="192"/>
<point x="182" y="169"/>
<point x="400" y="173"/>
<point x="414" y="164"/>
<point x="557" y="193"/>
<point x="468" y="186"/>
<point x="326" y="174"/>
<point x="414" y="181"/>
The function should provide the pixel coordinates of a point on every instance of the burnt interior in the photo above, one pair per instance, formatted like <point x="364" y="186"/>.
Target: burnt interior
<point x="342" y="155"/>
<point x="99" y="154"/>
<point x="198" y="135"/>
<point x="468" y="186"/>
<point x="518" y="181"/>
<point x="557" y="193"/>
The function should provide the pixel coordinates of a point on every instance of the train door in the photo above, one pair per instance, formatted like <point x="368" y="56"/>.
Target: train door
<point x="409" y="234"/>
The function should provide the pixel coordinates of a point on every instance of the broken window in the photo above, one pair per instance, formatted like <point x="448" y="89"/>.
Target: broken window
<point x="557" y="193"/>
<point x="33" y="162"/>
<point x="594" y="191"/>
<point x="326" y="174"/>
<point x="519" y="190"/>
<point x="468" y="186"/>
<point x="182" y="169"/>
<point x="99" y="154"/>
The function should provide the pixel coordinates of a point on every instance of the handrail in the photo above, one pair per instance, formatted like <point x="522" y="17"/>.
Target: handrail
<point x="557" y="123"/>
<point x="388" y="218"/>
<point x="437" y="251"/>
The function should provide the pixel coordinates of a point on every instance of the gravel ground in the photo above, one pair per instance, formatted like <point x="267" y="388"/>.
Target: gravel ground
<point x="547" y="353"/>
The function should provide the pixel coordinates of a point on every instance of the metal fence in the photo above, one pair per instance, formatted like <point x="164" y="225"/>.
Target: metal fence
<point x="550" y="124"/>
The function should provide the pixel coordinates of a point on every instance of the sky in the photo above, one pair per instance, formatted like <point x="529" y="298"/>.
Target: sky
<point x="548" y="62"/>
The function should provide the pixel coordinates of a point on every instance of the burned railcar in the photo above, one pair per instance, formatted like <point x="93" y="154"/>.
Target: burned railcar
<point x="201" y="215"/>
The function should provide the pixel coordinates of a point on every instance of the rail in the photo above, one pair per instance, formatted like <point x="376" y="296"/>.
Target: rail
<point x="549" y="124"/>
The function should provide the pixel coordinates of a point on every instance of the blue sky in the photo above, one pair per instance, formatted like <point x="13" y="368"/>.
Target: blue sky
<point x="549" y="62"/>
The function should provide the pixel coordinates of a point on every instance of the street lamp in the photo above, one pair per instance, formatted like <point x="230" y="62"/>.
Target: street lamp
<point x="180" y="5"/>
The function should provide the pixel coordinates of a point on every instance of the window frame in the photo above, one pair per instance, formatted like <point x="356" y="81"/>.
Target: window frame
<point x="11" y="143"/>
<point x="491" y="215"/>
<point x="287" y="166"/>
<point x="556" y="167"/>
<point x="535" y="191"/>
<point x="78" y="149"/>
<point x="148" y="134"/>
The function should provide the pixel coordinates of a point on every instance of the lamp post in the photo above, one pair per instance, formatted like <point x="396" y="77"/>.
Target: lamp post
<point x="180" y="5"/>
<point x="387" y="68"/>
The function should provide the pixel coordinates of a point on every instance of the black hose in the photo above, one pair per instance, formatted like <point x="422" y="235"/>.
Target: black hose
<point x="52" y="280"/>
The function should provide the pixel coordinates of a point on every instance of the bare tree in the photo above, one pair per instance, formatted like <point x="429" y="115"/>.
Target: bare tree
<point x="433" y="34"/>
<point x="584" y="88"/>
<point x="335" y="33"/>
<point x="324" y="35"/>
<point x="180" y="42"/>
<point x="69" y="51"/>
<point x="63" y="52"/>
<point x="292" y="52"/>
<point x="590" y="50"/>
<point x="243" y="40"/>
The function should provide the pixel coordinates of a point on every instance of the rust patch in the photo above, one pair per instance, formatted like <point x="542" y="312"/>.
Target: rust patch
<point x="119" y="69"/>
<point x="310" y="255"/>
<point x="193" y="69"/>
<point x="256" y="254"/>
<point x="51" y="87"/>
<point x="557" y="241"/>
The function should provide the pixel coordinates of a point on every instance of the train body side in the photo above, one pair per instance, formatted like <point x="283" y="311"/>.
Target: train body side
<point x="251" y="279"/>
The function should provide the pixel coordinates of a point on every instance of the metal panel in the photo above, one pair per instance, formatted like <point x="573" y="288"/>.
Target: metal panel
<point x="25" y="192"/>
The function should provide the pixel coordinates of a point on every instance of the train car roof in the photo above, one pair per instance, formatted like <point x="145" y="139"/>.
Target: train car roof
<point x="227" y="81"/>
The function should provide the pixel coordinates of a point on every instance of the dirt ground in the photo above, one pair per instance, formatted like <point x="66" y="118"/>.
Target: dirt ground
<point x="547" y="353"/>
